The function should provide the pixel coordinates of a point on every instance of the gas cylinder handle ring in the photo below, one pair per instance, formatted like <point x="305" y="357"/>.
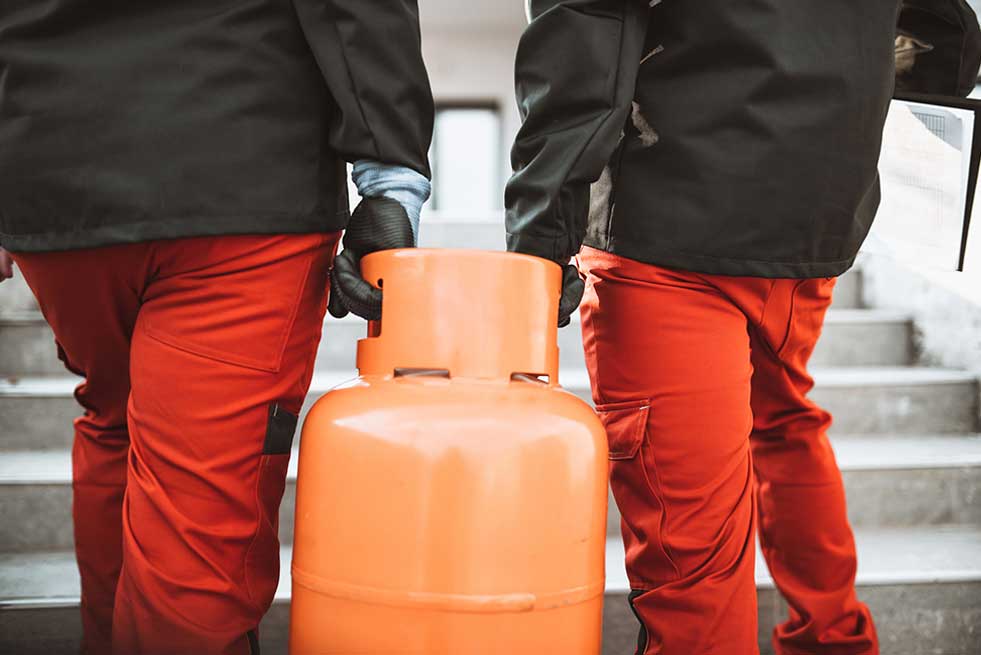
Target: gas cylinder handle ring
<point x="534" y="378"/>
<point x="401" y="372"/>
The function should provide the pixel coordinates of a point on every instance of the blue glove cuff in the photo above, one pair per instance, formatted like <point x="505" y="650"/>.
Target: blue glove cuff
<point x="409" y="188"/>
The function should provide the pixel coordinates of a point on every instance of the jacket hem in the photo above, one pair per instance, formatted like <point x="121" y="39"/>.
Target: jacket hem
<point x="549" y="248"/>
<point x="735" y="267"/>
<point x="177" y="228"/>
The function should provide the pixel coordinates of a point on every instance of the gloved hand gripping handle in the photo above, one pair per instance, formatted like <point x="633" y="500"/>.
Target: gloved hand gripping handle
<point x="376" y="224"/>
<point x="573" y="288"/>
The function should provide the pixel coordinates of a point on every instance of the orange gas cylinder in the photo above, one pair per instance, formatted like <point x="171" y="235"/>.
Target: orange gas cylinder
<point x="452" y="499"/>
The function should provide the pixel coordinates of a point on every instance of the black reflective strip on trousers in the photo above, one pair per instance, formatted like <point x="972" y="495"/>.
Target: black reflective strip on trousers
<point x="253" y="642"/>
<point x="280" y="429"/>
<point x="642" y="634"/>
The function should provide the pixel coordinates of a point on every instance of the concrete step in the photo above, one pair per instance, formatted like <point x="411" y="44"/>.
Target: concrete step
<point x="28" y="346"/>
<point x="851" y="338"/>
<point x="883" y="400"/>
<point x="15" y="295"/>
<point x="899" y="482"/>
<point x="849" y="291"/>
<point x="36" y="413"/>
<point x="890" y="482"/>
<point x="881" y="339"/>
<point x="865" y="400"/>
<point x="865" y="337"/>
<point x="922" y="585"/>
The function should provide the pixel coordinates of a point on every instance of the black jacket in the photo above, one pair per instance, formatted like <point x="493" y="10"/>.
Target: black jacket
<point x="736" y="138"/>
<point x="131" y="120"/>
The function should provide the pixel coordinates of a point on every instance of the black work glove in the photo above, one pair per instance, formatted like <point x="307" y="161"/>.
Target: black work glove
<point x="572" y="290"/>
<point x="376" y="224"/>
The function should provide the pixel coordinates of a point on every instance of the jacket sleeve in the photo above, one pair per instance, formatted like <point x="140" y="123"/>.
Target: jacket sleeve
<point x="370" y="54"/>
<point x="575" y="74"/>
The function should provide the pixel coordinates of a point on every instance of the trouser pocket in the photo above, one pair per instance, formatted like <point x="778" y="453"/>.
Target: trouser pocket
<point x="262" y="560"/>
<point x="634" y="481"/>
<point x="625" y="425"/>
<point x="626" y="428"/>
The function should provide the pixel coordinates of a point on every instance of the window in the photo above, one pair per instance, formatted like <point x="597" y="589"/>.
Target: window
<point x="466" y="160"/>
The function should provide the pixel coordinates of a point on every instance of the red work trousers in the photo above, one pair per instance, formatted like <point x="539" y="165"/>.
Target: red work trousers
<point x="701" y="381"/>
<point x="197" y="354"/>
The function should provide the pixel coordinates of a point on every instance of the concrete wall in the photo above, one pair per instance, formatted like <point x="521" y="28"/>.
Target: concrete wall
<point x="946" y="308"/>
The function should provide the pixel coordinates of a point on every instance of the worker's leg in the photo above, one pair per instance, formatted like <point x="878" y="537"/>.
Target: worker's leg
<point x="668" y="357"/>
<point x="803" y="525"/>
<point x="91" y="298"/>
<point x="222" y="358"/>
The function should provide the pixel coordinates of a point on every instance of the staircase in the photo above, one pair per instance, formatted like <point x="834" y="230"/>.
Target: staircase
<point x="905" y="438"/>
